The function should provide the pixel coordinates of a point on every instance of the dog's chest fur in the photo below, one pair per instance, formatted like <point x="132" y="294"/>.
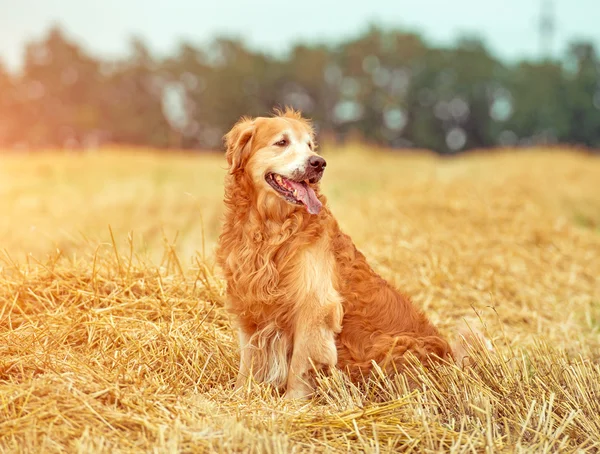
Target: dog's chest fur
<point x="282" y="269"/>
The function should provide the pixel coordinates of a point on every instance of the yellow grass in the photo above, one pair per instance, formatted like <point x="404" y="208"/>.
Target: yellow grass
<point x="113" y="337"/>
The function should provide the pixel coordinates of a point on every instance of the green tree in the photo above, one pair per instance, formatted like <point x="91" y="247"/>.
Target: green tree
<point x="538" y="102"/>
<point x="450" y="97"/>
<point x="583" y="95"/>
<point x="132" y="100"/>
<point x="59" y="88"/>
<point x="8" y="120"/>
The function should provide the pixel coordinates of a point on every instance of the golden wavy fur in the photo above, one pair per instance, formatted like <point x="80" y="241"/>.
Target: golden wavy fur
<point x="301" y="294"/>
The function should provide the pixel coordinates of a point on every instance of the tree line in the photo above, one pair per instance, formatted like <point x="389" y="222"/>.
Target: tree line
<point x="386" y="87"/>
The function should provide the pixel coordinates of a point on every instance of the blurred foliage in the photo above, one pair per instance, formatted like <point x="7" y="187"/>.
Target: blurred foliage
<point x="386" y="87"/>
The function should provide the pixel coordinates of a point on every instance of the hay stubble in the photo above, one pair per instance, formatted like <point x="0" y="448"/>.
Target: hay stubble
<point x="115" y="339"/>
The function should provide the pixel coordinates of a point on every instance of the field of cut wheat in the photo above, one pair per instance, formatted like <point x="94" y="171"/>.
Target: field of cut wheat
<point x="113" y="336"/>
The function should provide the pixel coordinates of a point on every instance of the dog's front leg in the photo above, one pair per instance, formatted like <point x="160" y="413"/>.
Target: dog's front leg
<point x="246" y="353"/>
<point x="314" y="345"/>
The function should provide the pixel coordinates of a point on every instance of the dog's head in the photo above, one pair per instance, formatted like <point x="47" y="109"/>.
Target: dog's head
<point x="278" y="155"/>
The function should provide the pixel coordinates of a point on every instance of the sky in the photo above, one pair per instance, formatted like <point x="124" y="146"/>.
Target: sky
<point x="104" y="27"/>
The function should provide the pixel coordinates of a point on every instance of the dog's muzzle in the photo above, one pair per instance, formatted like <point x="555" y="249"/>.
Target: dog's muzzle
<point x="314" y="169"/>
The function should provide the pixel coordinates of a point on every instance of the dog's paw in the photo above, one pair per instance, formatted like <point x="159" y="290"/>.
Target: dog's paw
<point x="470" y="337"/>
<point x="298" y="393"/>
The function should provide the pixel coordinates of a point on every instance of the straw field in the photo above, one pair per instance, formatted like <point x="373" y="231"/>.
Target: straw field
<point x="113" y="336"/>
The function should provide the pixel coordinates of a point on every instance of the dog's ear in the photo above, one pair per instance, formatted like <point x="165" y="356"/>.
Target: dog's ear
<point x="238" y="144"/>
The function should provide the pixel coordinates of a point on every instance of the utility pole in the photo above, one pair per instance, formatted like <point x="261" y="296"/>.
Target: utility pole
<point x="547" y="28"/>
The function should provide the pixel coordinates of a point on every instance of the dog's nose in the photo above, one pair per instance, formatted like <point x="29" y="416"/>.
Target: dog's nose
<point x="317" y="162"/>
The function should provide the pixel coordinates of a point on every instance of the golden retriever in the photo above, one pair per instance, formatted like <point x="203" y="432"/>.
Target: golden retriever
<point x="301" y="294"/>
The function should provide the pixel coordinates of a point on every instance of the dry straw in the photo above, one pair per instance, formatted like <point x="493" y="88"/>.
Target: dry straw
<point x="117" y="342"/>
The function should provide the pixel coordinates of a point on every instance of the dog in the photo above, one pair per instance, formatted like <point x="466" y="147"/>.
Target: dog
<point x="302" y="297"/>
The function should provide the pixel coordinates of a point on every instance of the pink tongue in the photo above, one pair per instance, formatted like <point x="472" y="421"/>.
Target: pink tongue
<point x="307" y="196"/>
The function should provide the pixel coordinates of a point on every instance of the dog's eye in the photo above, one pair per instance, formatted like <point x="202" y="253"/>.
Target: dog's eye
<point x="310" y="146"/>
<point x="282" y="143"/>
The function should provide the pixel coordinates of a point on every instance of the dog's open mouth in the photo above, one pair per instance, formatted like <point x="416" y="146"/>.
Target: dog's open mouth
<point x="297" y="192"/>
